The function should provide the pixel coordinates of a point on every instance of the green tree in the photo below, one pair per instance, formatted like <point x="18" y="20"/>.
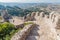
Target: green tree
<point x="5" y="29"/>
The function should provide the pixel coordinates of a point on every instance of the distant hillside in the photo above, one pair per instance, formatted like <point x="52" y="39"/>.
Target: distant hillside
<point x="21" y="5"/>
<point x="24" y="5"/>
<point x="15" y="10"/>
<point x="22" y="9"/>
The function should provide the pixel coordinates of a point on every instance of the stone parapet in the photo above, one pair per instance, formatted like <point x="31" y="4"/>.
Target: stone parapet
<point x="21" y="35"/>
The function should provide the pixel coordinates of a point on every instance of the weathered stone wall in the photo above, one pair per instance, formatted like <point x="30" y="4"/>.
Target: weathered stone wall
<point x="52" y="20"/>
<point x="21" y="35"/>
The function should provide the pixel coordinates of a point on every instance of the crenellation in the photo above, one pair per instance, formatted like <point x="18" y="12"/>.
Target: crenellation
<point x="51" y="14"/>
<point x="42" y="14"/>
<point x="48" y="26"/>
<point x="37" y="14"/>
<point x="32" y="14"/>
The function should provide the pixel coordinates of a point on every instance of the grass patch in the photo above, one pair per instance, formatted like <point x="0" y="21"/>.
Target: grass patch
<point x="27" y="23"/>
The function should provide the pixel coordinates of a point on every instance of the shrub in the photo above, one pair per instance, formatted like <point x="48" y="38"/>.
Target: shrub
<point x="5" y="29"/>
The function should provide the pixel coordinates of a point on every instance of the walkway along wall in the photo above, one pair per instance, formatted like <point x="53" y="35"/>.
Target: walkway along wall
<point x="21" y="35"/>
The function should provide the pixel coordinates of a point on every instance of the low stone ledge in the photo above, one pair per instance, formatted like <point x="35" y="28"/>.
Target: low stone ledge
<point x="21" y="35"/>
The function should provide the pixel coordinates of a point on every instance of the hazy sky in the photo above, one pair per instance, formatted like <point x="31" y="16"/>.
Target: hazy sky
<point x="31" y="1"/>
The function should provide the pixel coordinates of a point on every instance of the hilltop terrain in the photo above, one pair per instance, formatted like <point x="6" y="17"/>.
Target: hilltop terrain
<point x="29" y="21"/>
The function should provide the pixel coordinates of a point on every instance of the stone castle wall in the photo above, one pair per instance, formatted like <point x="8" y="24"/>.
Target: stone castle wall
<point x="53" y="16"/>
<point x="52" y="20"/>
<point x="21" y="35"/>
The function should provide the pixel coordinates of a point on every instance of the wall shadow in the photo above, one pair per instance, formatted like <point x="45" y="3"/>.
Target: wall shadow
<point x="33" y="34"/>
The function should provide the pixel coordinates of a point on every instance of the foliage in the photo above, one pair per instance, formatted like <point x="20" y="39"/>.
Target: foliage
<point x="17" y="11"/>
<point x="7" y="30"/>
<point x="27" y="23"/>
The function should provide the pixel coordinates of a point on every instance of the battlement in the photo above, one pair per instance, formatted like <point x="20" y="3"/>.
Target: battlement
<point x="49" y="27"/>
<point x="53" y="16"/>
